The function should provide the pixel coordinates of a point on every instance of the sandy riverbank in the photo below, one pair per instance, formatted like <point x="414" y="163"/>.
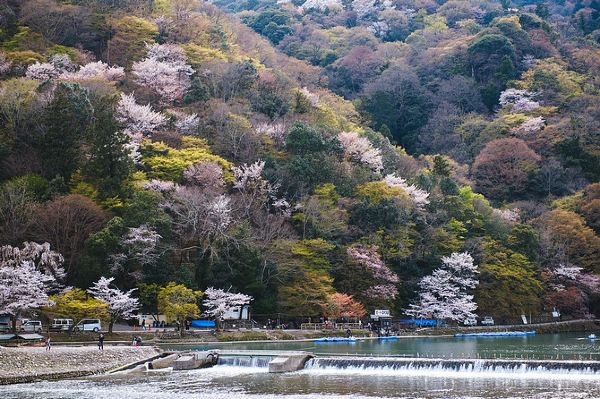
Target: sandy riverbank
<point x="27" y="364"/>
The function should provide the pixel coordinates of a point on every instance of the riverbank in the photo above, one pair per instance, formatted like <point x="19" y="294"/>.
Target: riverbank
<point x="27" y="364"/>
<point x="238" y="336"/>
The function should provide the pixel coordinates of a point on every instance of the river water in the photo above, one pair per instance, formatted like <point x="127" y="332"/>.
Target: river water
<point x="327" y="379"/>
<point x="544" y="346"/>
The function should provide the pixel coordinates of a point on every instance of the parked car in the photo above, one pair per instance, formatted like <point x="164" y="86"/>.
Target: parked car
<point x="471" y="321"/>
<point x="4" y="327"/>
<point x="88" y="325"/>
<point x="487" y="321"/>
<point x="31" y="326"/>
<point x="61" y="325"/>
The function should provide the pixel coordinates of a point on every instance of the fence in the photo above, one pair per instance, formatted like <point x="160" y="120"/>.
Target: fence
<point x="332" y="326"/>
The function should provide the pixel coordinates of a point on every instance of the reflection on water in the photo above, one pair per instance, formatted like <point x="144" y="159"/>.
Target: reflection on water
<point x="234" y="382"/>
<point x="335" y="378"/>
<point x="546" y="346"/>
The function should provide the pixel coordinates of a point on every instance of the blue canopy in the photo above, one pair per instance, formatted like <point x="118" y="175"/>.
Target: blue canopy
<point x="203" y="323"/>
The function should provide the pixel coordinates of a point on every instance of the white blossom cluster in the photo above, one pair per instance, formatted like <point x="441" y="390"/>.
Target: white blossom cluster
<point x="120" y="303"/>
<point x="444" y="294"/>
<point x="187" y="123"/>
<point x="418" y="196"/>
<point x="164" y="70"/>
<point x="508" y="215"/>
<point x="360" y="149"/>
<point x="161" y="186"/>
<point x="96" y="70"/>
<point x="519" y="100"/>
<point x="218" y="301"/>
<point x="138" y="121"/>
<point x="530" y="126"/>
<point x="276" y="131"/>
<point x="246" y="174"/>
<point x="312" y="98"/>
<point x="208" y="174"/>
<point x="364" y="8"/>
<point x="28" y="276"/>
<point x="385" y="279"/>
<point x="321" y="5"/>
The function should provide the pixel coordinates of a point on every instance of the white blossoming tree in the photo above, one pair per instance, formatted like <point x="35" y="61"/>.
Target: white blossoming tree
<point x="138" y="121"/>
<point x="518" y="100"/>
<point x="28" y="276"/>
<point x="444" y="293"/>
<point x="121" y="305"/>
<point x="165" y="71"/>
<point x="384" y="280"/>
<point x="218" y="302"/>
<point x="96" y="70"/>
<point x="360" y="149"/>
<point x="418" y="196"/>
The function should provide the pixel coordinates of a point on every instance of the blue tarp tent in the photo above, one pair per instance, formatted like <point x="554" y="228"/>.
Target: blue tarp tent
<point x="203" y="323"/>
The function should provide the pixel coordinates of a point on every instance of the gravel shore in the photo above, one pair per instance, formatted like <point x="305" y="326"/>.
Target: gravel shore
<point x="27" y="364"/>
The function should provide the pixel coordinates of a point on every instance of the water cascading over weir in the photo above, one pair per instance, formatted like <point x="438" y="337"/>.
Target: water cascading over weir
<point x="383" y="365"/>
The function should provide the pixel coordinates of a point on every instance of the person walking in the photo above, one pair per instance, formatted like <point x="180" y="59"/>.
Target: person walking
<point x="48" y="344"/>
<point x="101" y="342"/>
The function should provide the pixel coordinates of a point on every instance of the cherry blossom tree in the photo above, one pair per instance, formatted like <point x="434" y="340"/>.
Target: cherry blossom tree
<point x="162" y="186"/>
<point x="418" y="196"/>
<point x="218" y="302"/>
<point x="385" y="280"/>
<point x="140" y="245"/>
<point x="360" y="149"/>
<point x="96" y="70"/>
<point x="518" y="100"/>
<point x="121" y="305"/>
<point x="530" y="126"/>
<point x="207" y="174"/>
<point x="165" y="71"/>
<point x="138" y="118"/>
<point x="508" y="215"/>
<point x="201" y="217"/>
<point x="444" y="293"/>
<point x="186" y="123"/>
<point x="42" y="71"/>
<point x="322" y="5"/>
<point x="27" y="277"/>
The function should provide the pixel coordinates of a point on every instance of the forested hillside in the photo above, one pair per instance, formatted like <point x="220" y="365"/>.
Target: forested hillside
<point x="312" y="154"/>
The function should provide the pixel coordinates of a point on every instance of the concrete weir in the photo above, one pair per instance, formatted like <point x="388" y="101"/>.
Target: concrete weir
<point x="195" y="360"/>
<point x="286" y="364"/>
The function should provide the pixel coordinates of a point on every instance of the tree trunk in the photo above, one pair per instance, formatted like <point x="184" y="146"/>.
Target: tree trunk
<point x="110" y="326"/>
<point x="13" y="319"/>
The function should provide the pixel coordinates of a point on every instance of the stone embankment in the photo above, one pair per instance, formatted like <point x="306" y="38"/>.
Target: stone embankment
<point x="26" y="364"/>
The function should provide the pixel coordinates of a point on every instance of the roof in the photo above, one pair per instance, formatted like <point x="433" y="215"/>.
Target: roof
<point x="6" y="337"/>
<point x="29" y="337"/>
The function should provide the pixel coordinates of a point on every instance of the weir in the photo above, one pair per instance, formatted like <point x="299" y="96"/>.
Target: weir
<point x="359" y="363"/>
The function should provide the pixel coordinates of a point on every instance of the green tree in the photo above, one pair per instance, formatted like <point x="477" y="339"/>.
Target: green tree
<point x="78" y="304"/>
<point x="178" y="302"/>
<point x="66" y="120"/>
<point x="108" y="163"/>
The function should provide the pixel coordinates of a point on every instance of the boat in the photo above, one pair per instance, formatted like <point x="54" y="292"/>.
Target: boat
<point x="390" y="338"/>
<point x="592" y="337"/>
<point x="497" y="334"/>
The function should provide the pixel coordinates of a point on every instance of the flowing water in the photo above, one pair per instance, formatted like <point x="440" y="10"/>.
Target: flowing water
<point x="333" y="377"/>
<point x="547" y="346"/>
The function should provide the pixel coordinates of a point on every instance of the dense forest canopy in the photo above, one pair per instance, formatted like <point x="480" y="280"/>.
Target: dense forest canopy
<point x="312" y="154"/>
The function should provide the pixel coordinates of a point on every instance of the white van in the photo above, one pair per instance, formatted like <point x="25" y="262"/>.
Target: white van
<point x="61" y="325"/>
<point x="31" y="326"/>
<point x="88" y="325"/>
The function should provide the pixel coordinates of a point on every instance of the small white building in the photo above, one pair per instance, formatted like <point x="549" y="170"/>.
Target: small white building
<point x="238" y="313"/>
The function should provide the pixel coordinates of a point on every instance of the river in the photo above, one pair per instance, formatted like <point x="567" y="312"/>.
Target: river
<point x="330" y="380"/>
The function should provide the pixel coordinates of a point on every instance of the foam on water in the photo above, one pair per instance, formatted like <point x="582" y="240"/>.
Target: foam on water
<point x="467" y="369"/>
